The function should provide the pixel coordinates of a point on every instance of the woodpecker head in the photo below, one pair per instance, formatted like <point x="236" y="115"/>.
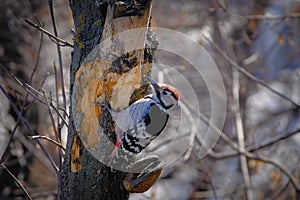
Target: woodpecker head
<point x="164" y="94"/>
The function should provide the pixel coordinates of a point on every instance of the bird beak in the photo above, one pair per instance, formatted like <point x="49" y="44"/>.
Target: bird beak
<point x="152" y="82"/>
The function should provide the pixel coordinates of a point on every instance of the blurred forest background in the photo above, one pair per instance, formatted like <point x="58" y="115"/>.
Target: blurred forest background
<point x="256" y="46"/>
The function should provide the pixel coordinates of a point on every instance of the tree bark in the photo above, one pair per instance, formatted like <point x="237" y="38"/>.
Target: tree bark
<point x="96" y="78"/>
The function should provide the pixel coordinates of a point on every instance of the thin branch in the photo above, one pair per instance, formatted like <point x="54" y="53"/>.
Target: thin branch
<point x="193" y="133"/>
<point x="17" y="181"/>
<point x="219" y="132"/>
<point x="52" y="120"/>
<point x="24" y="106"/>
<point x="273" y="140"/>
<point x="209" y="194"/>
<point x="228" y="154"/>
<point x="277" y="193"/>
<point x="240" y="132"/>
<point x="59" y="107"/>
<point x="37" y="94"/>
<point x="50" y="3"/>
<point x="249" y="75"/>
<point x="56" y="107"/>
<point x="41" y="86"/>
<point x="57" y="100"/>
<point x="28" y="127"/>
<point x="210" y="182"/>
<point x="59" y="124"/>
<point x="54" y="38"/>
<point x="260" y="17"/>
<point x="187" y="112"/>
<point x="271" y="17"/>
<point x="48" y="139"/>
<point x="23" y="85"/>
<point x="59" y="114"/>
<point x="32" y="150"/>
<point x="2" y="158"/>
<point x="283" y="169"/>
<point x="62" y="84"/>
<point x="37" y="60"/>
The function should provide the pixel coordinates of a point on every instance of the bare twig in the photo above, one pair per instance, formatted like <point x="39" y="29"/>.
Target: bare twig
<point x="283" y="169"/>
<point x="57" y="106"/>
<point x="53" y="122"/>
<point x="59" y="124"/>
<point x="26" y="107"/>
<point x="210" y="182"/>
<point x="18" y="81"/>
<point x="28" y="127"/>
<point x="240" y="132"/>
<point x="277" y="193"/>
<point x="187" y="112"/>
<point x="59" y="114"/>
<point x="193" y="134"/>
<point x="37" y="154"/>
<point x="62" y="84"/>
<point x="17" y="181"/>
<point x="48" y="139"/>
<point x="41" y="85"/>
<point x="228" y="154"/>
<point x="273" y="140"/>
<point x="249" y="75"/>
<point x="9" y="141"/>
<point x="271" y="17"/>
<point x="37" y="95"/>
<point x="56" y="94"/>
<point x="260" y="17"/>
<point x="219" y="132"/>
<point x="37" y="60"/>
<point x="54" y="38"/>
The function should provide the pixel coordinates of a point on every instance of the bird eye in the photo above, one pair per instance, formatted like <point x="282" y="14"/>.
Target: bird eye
<point x="164" y="92"/>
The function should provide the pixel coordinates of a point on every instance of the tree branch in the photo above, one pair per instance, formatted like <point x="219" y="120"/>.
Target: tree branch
<point x="28" y="127"/>
<point x="250" y="76"/>
<point x="246" y="153"/>
<point x="17" y="181"/>
<point x="260" y="17"/>
<point x="54" y="38"/>
<point x="48" y="139"/>
<point x="240" y="132"/>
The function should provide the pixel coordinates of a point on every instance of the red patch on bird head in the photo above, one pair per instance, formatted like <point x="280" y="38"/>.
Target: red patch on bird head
<point x="174" y="91"/>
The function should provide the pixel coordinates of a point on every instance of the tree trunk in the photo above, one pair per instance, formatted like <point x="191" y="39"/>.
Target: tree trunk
<point x="101" y="74"/>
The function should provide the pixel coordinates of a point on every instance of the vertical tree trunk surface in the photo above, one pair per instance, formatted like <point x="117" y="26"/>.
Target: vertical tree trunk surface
<point x="96" y="77"/>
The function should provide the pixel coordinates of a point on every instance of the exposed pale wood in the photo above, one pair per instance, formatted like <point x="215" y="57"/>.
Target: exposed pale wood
<point x="96" y="77"/>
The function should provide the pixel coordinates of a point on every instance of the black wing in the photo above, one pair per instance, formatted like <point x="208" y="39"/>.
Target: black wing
<point x="156" y="120"/>
<point x="138" y="138"/>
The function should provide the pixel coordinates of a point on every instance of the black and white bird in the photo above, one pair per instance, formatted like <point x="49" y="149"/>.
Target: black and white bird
<point x="144" y="120"/>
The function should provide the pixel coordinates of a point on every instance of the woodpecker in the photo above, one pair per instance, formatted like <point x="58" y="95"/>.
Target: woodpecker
<point x="144" y="120"/>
